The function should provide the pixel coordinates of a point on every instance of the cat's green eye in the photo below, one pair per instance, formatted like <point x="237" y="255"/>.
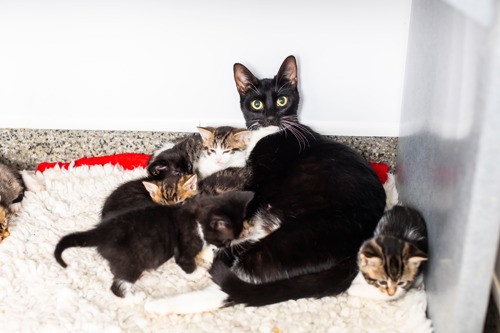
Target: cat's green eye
<point x="282" y="100"/>
<point x="382" y="283"/>
<point x="257" y="105"/>
<point x="401" y="283"/>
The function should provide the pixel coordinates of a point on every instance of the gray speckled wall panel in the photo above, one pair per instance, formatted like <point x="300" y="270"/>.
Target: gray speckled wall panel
<point x="449" y="157"/>
<point x="26" y="148"/>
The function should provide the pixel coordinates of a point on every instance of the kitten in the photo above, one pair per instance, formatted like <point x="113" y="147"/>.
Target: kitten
<point x="222" y="147"/>
<point x="146" y="191"/>
<point x="11" y="194"/>
<point x="207" y="152"/>
<point x="172" y="190"/>
<point x="318" y="198"/>
<point x="145" y="238"/>
<point x="390" y="262"/>
<point x="177" y="160"/>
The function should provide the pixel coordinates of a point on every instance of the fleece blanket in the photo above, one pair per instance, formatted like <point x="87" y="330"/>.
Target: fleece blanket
<point x="38" y="295"/>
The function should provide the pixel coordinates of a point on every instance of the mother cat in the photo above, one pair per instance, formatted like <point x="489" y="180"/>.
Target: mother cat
<point x="319" y="200"/>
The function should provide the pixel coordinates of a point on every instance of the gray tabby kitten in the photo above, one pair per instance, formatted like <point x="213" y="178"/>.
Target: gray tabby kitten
<point x="11" y="193"/>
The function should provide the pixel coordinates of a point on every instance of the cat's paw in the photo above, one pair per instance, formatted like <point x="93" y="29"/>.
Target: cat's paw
<point x="159" y="307"/>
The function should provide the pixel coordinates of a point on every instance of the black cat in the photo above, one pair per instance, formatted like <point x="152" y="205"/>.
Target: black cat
<point x="322" y="197"/>
<point x="145" y="238"/>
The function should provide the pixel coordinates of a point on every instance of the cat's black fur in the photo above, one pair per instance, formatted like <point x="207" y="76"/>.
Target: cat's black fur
<point x="327" y="197"/>
<point x="145" y="238"/>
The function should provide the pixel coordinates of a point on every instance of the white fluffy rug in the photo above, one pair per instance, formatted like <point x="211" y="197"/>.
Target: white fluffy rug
<point x="38" y="295"/>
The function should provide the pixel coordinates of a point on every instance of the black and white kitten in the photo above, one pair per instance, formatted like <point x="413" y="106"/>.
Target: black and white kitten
<point x="11" y="194"/>
<point x="390" y="262"/>
<point x="145" y="238"/>
<point x="322" y="198"/>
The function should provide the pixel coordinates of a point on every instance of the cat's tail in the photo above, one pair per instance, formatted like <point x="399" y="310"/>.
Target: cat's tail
<point x="330" y="282"/>
<point x="80" y="239"/>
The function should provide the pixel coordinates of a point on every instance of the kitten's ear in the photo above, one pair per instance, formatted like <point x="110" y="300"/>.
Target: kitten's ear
<point x="244" y="78"/>
<point x="288" y="71"/>
<point x="191" y="184"/>
<point x="151" y="188"/>
<point x="365" y="261"/>
<point x="244" y="136"/>
<point x="416" y="261"/>
<point x="244" y="197"/>
<point x="415" y="255"/>
<point x="369" y="254"/>
<point x="206" y="133"/>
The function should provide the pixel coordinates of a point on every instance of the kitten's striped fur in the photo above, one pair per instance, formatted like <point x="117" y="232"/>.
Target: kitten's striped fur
<point x="173" y="189"/>
<point x="11" y="193"/>
<point x="391" y="260"/>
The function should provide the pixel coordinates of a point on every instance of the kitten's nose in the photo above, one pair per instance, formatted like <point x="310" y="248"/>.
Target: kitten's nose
<point x="391" y="290"/>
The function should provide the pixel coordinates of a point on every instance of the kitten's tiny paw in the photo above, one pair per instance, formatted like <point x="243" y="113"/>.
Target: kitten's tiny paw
<point x="15" y="207"/>
<point x="205" y="256"/>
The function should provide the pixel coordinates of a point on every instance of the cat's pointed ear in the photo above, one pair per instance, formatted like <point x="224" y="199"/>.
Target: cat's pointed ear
<point x="244" y="136"/>
<point x="191" y="184"/>
<point x="244" y="78"/>
<point x="205" y="132"/>
<point x="288" y="71"/>
<point x="151" y="188"/>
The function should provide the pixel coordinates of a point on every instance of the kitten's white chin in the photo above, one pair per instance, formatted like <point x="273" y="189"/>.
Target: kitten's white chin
<point x="360" y="288"/>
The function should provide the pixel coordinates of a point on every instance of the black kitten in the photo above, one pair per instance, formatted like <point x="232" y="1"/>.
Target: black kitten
<point x="145" y="238"/>
<point x="177" y="160"/>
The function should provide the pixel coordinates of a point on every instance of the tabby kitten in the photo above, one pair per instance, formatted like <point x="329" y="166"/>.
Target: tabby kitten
<point x="390" y="262"/>
<point x="172" y="190"/>
<point x="146" y="191"/>
<point x="11" y="194"/>
<point x="222" y="147"/>
<point x="320" y="199"/>
<point x="145" y="238"/>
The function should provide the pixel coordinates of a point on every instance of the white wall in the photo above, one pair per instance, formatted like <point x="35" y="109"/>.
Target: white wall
<point x="167" y="65"/>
